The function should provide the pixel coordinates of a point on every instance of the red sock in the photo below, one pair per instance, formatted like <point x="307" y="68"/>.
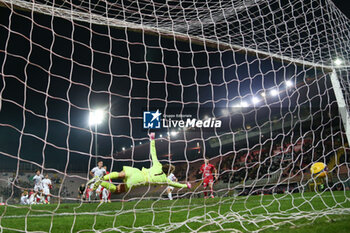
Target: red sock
<point x="205" y="193"/>
<point x="100" y="195"/>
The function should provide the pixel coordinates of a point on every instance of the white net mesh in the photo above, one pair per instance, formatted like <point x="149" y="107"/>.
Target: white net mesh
<point x="276" y="75"/>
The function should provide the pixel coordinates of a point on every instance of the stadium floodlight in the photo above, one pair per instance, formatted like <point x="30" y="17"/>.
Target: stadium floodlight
<point x="225" y="112"/>
<point x="289" y="83"/>
<point x="160" y="135"/>
<point x="263" y="94"/>
<point x="123" y="148"/>
<point x="273" y="92"/>
<point x="95" y="118"/>
<point x="174" y="133"/>
<point x="255" y="100"/>
<point x="244" y="104"/>
<point x="338" y="61"/>
<point x="140" y="143"/>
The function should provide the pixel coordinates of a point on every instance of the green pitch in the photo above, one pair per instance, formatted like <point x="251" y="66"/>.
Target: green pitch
<point x="308" y="212"/>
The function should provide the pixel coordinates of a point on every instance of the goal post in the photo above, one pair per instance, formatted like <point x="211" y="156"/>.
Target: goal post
<point x="343" y="108"/>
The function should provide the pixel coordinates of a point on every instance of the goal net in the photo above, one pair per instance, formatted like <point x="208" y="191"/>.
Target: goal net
<point x="260" y="88"/>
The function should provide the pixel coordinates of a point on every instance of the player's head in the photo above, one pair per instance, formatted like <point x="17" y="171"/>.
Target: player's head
<point x="100" y="164"/>
<point x="206" y="160"/>
<point x="37" y="171"/>
<point x="46" y="176"/>
<point x="168" y="168"/>
<point x="25" y="193"/>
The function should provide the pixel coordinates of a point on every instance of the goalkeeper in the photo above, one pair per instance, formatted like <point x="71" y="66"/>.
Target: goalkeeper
<point x="156" y="175"/>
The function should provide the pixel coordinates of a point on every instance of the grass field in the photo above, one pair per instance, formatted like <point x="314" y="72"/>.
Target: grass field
<point x="308" y="212"/>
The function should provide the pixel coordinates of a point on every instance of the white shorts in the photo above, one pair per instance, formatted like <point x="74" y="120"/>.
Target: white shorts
<point x="37" y="188"/>
<point x="98" y="190"/>
<point x="46" y="191"/>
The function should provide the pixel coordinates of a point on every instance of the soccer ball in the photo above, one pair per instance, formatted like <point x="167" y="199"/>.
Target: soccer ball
<point x="319" y="169"/>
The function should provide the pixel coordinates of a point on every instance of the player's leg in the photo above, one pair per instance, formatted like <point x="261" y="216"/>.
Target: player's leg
<point x="205" y="185"/>
<point x="105" y="195"/>
<point x="91" y="191"/>
<point x="47" y="195"/>
<point x="36" y="190"/>
<point x="109" y="196"/>
<point x="98" y="193"/>
<point x="114" y="175"/>
<point x="169" y="190"/>
<point x="113" y="188"/>
<point x="211" y="183"/>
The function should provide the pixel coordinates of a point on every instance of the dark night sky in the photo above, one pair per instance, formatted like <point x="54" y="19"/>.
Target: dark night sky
<point x="127" y="74"/>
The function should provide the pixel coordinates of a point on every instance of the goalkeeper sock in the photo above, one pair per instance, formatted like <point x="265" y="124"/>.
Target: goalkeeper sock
<point x="112" y="175"/>
<point x="111" y="187"/>
<point x="170" y="196"/>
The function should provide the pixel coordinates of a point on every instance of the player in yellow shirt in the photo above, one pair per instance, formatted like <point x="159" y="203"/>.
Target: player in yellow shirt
<point x="155" y="175"/>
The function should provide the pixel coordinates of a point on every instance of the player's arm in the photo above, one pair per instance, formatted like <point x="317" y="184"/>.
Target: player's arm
<point x="91" y="172"/>
<point x="201" y="170"/>
<point x="155" y="161"/>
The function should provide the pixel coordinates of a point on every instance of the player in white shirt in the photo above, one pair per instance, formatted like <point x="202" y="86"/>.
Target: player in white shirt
<point x="37" y="183"/>
<point x="170" y="189"/>
<point x="46" y="184"/>
<point x="24" y="198"/>
<point x="32" y="198"/>
<point x="96" y="173"/>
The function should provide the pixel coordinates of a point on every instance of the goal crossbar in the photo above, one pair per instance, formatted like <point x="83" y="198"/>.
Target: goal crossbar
<point x="116" y="23"/>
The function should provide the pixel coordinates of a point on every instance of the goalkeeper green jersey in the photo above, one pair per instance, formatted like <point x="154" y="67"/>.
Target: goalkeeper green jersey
<point x="154" y="175"/>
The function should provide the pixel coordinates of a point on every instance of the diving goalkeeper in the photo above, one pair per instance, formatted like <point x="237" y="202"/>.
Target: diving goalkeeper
<point x="156" y="175"/>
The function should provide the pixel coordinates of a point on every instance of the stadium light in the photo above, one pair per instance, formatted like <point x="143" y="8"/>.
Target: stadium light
<point x="123" y="148"/>
<point x="289" y="83"/>
<point x="225" y="112"/>
<point x="244" y="104"/>
<point x="174" y="133"/>
<point x="263" y="94"/>
<point x="338" y="61"/>
<point x="160" y="135"/>
<point x="255" y="100"/>
<point x="273" y="92"/>
<point x="96" y="117"/>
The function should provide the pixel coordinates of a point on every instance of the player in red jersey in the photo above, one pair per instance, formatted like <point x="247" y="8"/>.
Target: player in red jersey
<point x="207" y="170"/>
